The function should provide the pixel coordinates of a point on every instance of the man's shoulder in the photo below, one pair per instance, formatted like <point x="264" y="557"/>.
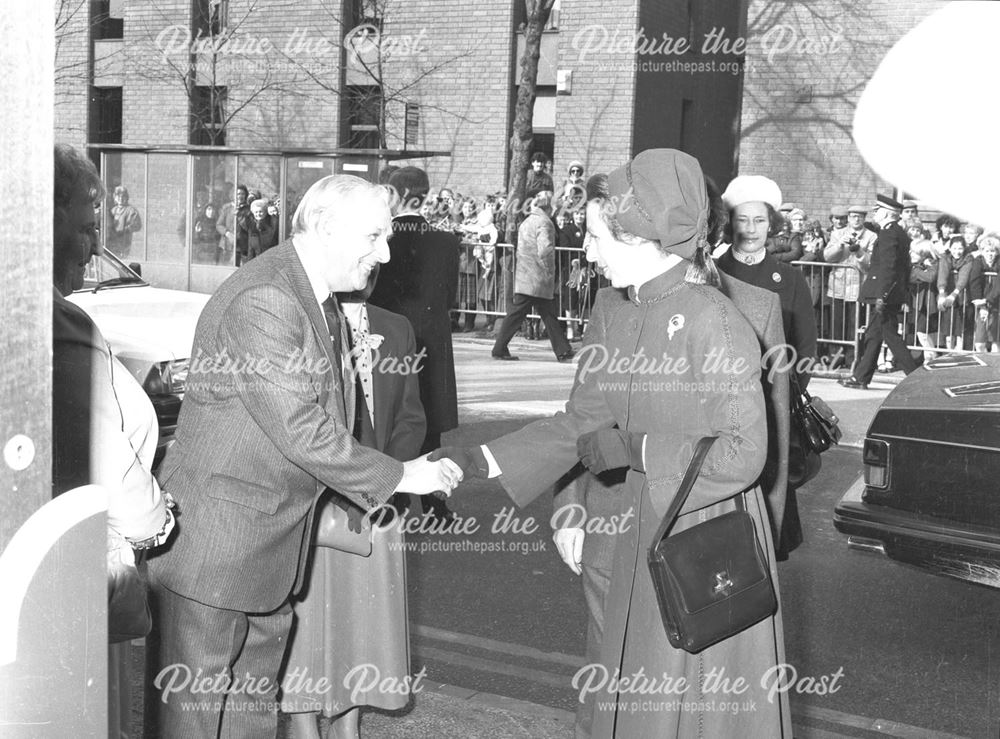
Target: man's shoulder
<point x="71" y="323"/>
<point x="893" y="234"/>
<point x="385" y="321"/>
<point x="268" y="273"/>
<point x="535" y="220"/>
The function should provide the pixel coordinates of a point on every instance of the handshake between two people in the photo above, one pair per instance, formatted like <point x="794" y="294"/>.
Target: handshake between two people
<point x="605" y="449"/>
<point x="599" y="451"/>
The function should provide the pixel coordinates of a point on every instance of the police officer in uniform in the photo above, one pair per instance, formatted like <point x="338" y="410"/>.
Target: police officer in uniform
<point x="886" y="288"/>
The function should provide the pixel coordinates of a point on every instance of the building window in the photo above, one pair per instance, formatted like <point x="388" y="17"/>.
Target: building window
<point x="106" y="115"/>
<point x="208" y="115"/>
<point x="106" y="20"/>
<point x="361" y="107"/>
<point x="521" y="17"/>
<point x="364" y="12"/>
<point x="209" y="17"/>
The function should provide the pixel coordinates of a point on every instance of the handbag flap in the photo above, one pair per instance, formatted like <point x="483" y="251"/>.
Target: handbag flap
<point x="825" y="411"/>
<point x="713" y="560"/>
<point x="333" y="531"/>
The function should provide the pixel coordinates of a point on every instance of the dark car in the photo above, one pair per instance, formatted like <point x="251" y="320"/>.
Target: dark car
<point x="930" y="492"/>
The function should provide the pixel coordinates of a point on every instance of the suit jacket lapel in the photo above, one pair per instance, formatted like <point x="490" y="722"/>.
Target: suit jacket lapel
<point x="350" y="374"/>
<point x="382" y="390"/>
<point x="303" y="291"/>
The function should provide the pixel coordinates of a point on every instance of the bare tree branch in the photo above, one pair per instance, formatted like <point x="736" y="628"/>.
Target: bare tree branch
<point x="538" y="12"/>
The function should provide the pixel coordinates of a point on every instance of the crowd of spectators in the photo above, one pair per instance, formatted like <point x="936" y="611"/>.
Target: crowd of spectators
<point x="486" y="270"/>
<point x="222" y="233"/>
<point x="244" y="228"/>
<point x="953" y="286"/>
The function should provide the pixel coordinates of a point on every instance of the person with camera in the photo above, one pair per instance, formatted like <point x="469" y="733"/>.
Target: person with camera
<point x="851" y="247"/>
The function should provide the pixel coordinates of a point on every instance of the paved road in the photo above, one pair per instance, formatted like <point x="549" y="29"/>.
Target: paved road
<point x="496" y="610"/>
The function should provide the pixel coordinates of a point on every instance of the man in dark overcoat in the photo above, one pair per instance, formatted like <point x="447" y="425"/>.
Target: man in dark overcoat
<point x="420" y="282"/>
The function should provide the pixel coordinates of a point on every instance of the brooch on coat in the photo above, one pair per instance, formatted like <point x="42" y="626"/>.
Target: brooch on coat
<point x="675" y="324"/>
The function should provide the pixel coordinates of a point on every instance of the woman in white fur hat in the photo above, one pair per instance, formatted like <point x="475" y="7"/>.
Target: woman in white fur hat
<point x="753" y="203"/>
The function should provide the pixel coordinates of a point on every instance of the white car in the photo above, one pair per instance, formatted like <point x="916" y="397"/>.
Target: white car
<point x="150" y="330"/>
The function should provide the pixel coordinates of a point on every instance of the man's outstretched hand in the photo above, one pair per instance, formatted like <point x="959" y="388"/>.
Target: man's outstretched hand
<point x="423" y="476"/>
<point x="470" y="459"/>
<point x="609" y="449"/>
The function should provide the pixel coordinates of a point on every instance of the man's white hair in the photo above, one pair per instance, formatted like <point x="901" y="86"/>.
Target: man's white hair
<point x="328" y="197"/>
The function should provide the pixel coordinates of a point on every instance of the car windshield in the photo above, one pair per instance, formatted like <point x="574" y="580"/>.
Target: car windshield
<point x="107" y="270"/>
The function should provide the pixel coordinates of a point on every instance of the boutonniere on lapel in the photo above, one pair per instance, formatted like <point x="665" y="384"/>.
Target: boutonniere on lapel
<point x="371" y="342"/>
<point x="675" y="324"/>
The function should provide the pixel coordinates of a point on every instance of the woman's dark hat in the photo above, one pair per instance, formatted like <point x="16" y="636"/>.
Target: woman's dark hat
<point x="660" y="196"/>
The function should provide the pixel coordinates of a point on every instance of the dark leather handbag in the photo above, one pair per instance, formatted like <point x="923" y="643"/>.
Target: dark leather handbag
<point x="712" y="580"/>
<point x="333" y="529"/>
<point x="816" y="422"/>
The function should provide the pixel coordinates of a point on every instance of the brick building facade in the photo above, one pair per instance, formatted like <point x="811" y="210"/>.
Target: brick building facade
<point x="806" y="66"/>
<point x="458" y="61"/>
<point x="609" y="83"/>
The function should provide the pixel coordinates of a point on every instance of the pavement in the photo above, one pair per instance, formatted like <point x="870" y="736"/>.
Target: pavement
<point x="435" y="711"/>
<point x="518" y="344"/>
<point x="441" y="710"/>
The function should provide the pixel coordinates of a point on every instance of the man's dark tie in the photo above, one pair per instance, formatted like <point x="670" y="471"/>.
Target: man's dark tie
<point x="333" y="320"/>
<point x="363" y="430"/>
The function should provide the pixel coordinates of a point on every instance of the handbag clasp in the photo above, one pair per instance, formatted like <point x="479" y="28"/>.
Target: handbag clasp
<point x="722" y="583"/>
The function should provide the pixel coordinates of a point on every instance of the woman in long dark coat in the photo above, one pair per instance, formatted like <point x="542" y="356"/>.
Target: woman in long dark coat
<point x="351" y="620"/>
<point x="700" y="377"/>
<point x="419" y="282"/>
<point x="752" y="202"/>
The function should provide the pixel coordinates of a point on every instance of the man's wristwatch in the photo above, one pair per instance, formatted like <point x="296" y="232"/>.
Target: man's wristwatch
<point x="160" y="536"/>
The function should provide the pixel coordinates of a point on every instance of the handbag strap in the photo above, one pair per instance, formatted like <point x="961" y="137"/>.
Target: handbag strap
<point x="796" y="389"/>
<point x="693" y="470"/>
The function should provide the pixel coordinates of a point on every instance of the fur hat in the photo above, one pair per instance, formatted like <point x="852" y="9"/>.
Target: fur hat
<point x="752" y="188"/>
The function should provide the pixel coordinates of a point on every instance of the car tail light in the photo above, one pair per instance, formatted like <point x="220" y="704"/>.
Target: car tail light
<point x="876" y="461"/>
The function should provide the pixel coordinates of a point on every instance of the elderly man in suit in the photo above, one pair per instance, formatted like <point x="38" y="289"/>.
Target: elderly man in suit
<point x="886" y="286"/>
<point x="265" y="428"/>
<point x="364" y="596"/>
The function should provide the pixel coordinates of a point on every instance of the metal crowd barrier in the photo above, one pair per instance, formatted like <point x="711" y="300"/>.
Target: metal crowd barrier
<point x="924" y="325"/>
<point x="840" y="319"/>
<point x="488" y="291"/>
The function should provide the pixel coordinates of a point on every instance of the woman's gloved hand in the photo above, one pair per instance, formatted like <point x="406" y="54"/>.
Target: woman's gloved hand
<point x="609" y="449"/>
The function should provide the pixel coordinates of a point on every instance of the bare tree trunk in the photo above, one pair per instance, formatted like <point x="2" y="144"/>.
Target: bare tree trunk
<point x="520" y="141"/>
